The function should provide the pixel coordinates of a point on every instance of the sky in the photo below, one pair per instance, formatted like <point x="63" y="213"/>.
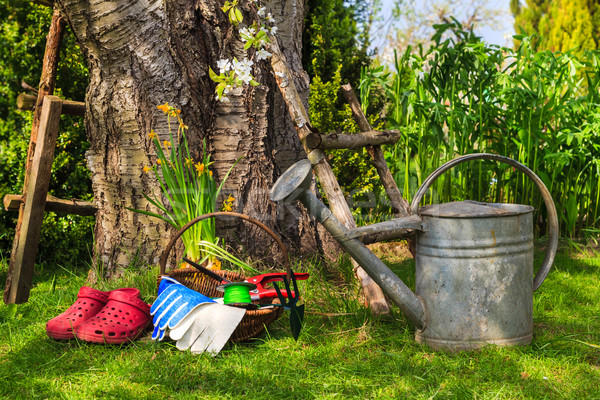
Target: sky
<point x="499" y="33"/>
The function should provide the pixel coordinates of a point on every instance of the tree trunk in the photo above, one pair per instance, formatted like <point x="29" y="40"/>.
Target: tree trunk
<point x="144" y="53"/>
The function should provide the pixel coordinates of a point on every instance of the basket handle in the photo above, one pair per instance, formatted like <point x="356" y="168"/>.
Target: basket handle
<point x="553" y="230"/>
<point x="165" y="254"/>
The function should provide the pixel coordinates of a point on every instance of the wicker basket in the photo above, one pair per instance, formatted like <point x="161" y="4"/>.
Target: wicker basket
<point x="254" y="322"/>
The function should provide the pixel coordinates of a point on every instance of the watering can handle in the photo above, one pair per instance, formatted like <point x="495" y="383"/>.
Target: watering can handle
<point x="552" y="215"/>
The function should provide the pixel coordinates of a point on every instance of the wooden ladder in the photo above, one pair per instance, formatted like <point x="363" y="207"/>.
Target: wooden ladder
<point x="34" y="200"/>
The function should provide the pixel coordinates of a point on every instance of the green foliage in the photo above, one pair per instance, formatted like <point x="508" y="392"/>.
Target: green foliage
<point x="334" y="52"/>
<point x="540" y="108"/>
<point x="333" y="41"/>
<point x="357" y="178"/>
<point x="23" y="30"/>
<point x="562" y="25"/>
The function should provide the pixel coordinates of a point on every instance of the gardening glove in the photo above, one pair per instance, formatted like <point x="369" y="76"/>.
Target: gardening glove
<point x="174" y="302"/>
<point x="207" y="328"/>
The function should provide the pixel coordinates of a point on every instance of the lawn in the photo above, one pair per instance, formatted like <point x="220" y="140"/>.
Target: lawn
<point x="343" y="351"/>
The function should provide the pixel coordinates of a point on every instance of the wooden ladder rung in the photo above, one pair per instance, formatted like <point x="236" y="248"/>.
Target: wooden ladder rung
<point x="12" y="202"/>
<point x="399" y="228"/>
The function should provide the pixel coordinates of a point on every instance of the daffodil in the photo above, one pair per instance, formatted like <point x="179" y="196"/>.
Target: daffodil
<point x="164" y="107"/>
<point x="230" y="199"/>
<point x="182" y="185"/>
<point x="215" y="263"/>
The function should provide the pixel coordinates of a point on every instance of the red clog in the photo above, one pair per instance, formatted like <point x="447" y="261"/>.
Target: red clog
<point x="89" y="303"/>
<point x="124" y="318"/>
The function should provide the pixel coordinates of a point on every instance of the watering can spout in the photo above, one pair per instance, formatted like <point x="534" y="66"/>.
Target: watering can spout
<point x="294" y="185"/>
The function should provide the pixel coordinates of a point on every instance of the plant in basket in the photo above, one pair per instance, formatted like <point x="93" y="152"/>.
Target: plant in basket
<point x="188" y="190"/>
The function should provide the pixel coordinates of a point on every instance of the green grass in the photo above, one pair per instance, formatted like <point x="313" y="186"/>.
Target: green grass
<point x="343" y="352"/>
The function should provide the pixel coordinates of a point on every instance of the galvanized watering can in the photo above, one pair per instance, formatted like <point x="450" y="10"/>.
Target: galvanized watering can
<point x="474" y="261"/>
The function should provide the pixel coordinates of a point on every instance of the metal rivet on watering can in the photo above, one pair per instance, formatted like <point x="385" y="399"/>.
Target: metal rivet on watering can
<point x="474" y="261"/>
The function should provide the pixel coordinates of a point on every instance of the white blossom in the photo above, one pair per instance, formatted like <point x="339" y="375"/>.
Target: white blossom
<point x="242" y="67"/>
<point x="245" y="32"/>
<point x="224" y="65"/>
<point x="270" y="18"/>
<point x="246" y="78"/>
<point x="274" y="30"/>
<point x="262" y="54"/>
<point x="261" y="11"/>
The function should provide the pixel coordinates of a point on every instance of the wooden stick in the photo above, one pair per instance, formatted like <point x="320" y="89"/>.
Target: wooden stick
<point x="26" y="102"/>
<point x="399" y="205"/>
<point x="400" y="228"/>
<point x="19" y="291"/>
<point x="23" y="257"/>
<point x="373" y="293"/>
<point x="12" y="202"/>
<point x="351" y="141"/>
<point x="71" y="107"/>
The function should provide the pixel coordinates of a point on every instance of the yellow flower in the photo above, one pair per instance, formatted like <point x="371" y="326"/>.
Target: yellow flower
<point x="159" y="161"/>
<point x="227" y="207"/>
<point x="215" y="264"/>
<point x="230" y="199"/>
<point x="164" y="107"/>
<point x="146" y="168"/>
<point x="152" y="134"/>
<point x="188" y="161"/>
<point x="200" y="167"/>
<point x="166" y="143"/>
<point x="183" y="126"/>
<point x="210" y="173"/>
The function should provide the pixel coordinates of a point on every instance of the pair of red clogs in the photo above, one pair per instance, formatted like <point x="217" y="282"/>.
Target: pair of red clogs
<point x="113" y="317"/>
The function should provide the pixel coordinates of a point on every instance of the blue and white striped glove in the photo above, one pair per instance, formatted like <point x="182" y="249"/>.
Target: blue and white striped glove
<point x="174" y="303"/>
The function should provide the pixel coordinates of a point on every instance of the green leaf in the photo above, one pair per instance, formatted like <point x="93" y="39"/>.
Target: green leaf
<point x="220" y="88"/>
<point x="213" y="75"/>
<point x="238" y="15"/>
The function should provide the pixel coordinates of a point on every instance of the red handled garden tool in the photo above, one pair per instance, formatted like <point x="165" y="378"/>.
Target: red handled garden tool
<point x="260" y="292"/>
